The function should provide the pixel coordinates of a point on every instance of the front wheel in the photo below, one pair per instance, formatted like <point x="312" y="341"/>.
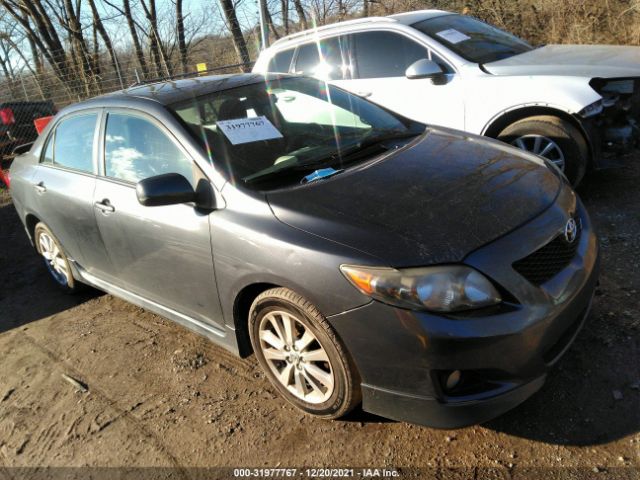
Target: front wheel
<point x="55" y="260"/>
<point x="553" y="138"/>
<point x="301" y="354"/>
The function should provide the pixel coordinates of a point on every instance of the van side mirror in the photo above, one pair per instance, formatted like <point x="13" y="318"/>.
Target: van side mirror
<point x="166" y="189"/>
<point x="423" y="68"/>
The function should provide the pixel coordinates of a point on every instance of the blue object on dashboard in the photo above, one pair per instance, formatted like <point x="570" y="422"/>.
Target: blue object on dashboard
<point x="320" y="174"/>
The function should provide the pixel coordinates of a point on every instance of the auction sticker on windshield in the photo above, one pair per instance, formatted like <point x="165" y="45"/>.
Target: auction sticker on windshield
<point x="453" y="36"/>
<point x="246" y="130"/>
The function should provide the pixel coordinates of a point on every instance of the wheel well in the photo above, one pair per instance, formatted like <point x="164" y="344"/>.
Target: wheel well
<point x="30" y="222"/>
<point x="502" y="122"/>
<point x="241" y="308"/>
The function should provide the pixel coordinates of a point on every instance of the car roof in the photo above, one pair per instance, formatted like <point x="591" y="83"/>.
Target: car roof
<point x="166" y="92"/>
<point x="407" y="18"/>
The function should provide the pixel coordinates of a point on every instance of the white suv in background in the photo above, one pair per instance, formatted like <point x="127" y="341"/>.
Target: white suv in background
<point x="576" y="105"/>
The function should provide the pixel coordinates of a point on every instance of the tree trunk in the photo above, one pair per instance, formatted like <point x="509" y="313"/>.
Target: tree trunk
<point x="99" y="26"/>
<point x="155" y="43"/>
<point x="284" y="6"/>
<point x="134" y="37"/>
<point x="43" y="35"/>
<point x="270" y="23"/>
<point x="301" y="15"/>
<point x="182" y="44"/>
<point x="236" y="33"/>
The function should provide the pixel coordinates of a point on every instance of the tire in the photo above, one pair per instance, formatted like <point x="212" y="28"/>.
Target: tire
<point x="565" y="135"/>
<point x="306" y="364"/>
<point x="47" y="245"/>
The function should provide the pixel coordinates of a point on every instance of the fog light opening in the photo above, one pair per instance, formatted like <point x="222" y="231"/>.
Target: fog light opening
<point x="453" y="379"/>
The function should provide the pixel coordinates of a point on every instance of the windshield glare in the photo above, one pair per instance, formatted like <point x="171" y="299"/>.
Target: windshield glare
<point x="472" y="39"/>
<point x="282" y="125"/>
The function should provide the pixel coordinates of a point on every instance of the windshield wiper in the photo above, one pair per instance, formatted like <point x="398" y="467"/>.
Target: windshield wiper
<point x="370" y="145"/>
<point x="363" y="148"/>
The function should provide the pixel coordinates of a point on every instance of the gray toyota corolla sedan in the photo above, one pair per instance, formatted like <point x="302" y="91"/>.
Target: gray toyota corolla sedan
<point x="432" y="275"/>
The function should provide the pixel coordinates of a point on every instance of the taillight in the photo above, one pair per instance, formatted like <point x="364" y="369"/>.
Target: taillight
<point x="6" y="116"/>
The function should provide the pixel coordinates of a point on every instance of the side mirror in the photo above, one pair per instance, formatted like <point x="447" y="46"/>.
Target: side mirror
<point x="423" y="69"/>
<point x="167" y="189"/>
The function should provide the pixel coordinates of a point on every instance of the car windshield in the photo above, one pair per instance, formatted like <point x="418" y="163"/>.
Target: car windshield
<point x="283" y="130"/>
<point x="472" y="39"/>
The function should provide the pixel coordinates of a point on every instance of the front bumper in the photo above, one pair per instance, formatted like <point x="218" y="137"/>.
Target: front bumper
<point x="505" y="351"/>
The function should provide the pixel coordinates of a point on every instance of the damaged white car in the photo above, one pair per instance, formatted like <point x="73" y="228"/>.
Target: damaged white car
<point x="575" y="105"/>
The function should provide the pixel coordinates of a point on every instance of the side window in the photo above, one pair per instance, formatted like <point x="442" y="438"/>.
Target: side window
<point x="281" y="61"/>
<point x="330" y="62"/>
<point x="308" y="59"/>
<point x="385" y="54"/>
<point x="136" y="149"/>
<point x="71" y="143"/>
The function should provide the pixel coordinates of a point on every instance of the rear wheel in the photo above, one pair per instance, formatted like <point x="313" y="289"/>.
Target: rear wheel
<point x="301" y="354"/>
<point x="54" y="258"/>
<point x="553" y="138"/>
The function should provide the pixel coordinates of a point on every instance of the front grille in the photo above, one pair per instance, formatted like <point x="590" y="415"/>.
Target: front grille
<point x="546" y="262"/>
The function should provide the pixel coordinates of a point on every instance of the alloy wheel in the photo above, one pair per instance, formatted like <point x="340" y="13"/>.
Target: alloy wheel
<point x="296" y="357"/>
<point x="54" y="258"/>
<point x="542" y="146"/>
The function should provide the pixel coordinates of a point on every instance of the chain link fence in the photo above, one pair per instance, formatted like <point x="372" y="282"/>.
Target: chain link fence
<point x="29" y="95"/>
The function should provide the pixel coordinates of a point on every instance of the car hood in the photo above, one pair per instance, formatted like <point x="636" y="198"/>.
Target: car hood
<point x="603" y="61"/>
<point x="433" y="201"/>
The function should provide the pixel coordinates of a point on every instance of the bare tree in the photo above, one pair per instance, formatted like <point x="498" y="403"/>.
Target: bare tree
<point x="239" y="43"/>
<point x="284" y="8"/>
<point x="42" y="32"/>
<point x="182" y="43"/>
<point x="106" y="39"/>
<point x="158" y="51"/>
<point x="302" y="17"/>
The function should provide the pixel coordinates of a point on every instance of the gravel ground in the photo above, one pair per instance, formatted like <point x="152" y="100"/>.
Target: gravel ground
<point x="160" y="396"/>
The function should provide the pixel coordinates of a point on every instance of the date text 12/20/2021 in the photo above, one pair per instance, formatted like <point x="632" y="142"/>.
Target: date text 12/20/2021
<point x="316" y="472"/>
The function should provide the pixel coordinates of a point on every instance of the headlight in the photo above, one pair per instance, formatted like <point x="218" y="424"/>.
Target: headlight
<point x="439" y="289"/>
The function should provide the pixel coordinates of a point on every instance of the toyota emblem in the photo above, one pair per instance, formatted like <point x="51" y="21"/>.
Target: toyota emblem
<point x="570" y="230"/>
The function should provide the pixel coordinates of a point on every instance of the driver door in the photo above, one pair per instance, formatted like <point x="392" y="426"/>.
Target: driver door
<point x="162" y="254"/>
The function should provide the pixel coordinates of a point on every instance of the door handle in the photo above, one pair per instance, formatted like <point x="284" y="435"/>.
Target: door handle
<point x="364" y="94"/>
<point x="40" y="188"/>
<point x="105" y="206"/>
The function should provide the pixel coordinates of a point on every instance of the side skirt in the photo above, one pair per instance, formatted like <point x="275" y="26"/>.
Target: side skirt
<point x="213" y="333"/>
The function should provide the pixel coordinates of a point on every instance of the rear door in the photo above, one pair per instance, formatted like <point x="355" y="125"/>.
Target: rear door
<point x="162" y="254"/>
<point x="63" y="184"/>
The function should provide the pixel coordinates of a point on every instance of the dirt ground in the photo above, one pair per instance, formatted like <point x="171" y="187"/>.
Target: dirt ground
<point x="161" y="396"/>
